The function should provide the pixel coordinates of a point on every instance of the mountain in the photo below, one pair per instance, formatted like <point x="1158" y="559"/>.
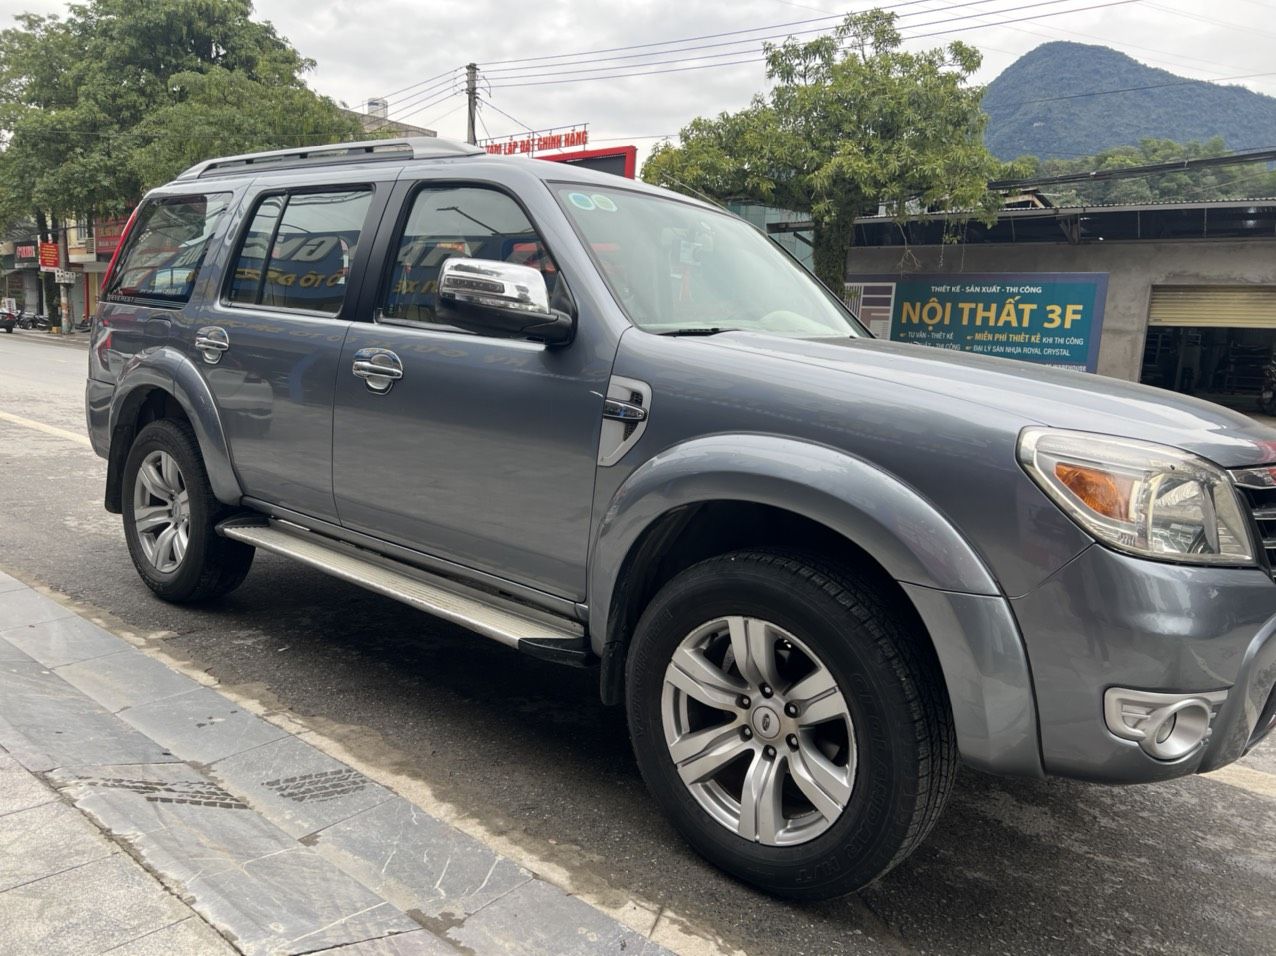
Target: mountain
<point x="1029" y="114"/>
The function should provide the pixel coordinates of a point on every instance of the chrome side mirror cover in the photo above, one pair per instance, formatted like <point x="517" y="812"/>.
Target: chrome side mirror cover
<point x="501" y="298"/>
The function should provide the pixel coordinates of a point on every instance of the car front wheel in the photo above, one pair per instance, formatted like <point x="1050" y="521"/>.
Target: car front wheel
<point x="790" y="722"/>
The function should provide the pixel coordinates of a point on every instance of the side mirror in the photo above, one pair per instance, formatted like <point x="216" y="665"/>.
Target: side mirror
<point x="501" y="298"/>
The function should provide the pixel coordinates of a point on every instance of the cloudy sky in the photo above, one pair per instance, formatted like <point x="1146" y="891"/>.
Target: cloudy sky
<point x="407" y="50"/>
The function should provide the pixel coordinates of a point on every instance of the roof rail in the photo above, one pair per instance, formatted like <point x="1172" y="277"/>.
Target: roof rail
<point x="373" y="150"/>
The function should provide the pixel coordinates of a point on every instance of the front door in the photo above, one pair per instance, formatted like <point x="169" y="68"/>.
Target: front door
<point x="270" y="345"/>
<point x="483" y="452"/>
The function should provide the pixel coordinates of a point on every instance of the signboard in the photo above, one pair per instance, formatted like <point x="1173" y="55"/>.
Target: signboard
<point x="617" y="160"/>
<point x="535" y="141"/>
<point x="1050" y="318"/>
<point x="106" y="235"/>
<point x="64" y="277"/>
<point x="25" y="251"/>
<point x="49" y="260"/>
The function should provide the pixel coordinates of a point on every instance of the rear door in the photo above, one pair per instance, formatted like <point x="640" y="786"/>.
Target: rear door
<point x="269" y="341"/>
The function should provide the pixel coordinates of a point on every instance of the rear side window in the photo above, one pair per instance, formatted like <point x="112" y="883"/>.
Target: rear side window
<point x="166" y="248"/>
<point x="297" y="249"/>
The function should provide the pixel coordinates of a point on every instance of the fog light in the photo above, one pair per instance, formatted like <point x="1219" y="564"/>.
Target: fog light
<point x="1166" y="726"/>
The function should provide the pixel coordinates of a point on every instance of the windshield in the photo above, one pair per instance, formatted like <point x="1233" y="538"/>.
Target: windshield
<point x="679" y="268"/>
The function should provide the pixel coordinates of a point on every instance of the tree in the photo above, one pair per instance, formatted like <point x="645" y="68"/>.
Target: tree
<point x="851" y="121"/>
<point x="1188" y="185"/>
<point x="120" y="96"/>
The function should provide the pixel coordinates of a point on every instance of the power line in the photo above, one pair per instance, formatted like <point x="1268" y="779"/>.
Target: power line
<point x="554" y="71"/>
<point x="401" y="117"/>
<point x="757" y="59"/>
<point x="754" y="39"/>
<point x="1131" y="89"/>
<point x="419" y="82"/>
<point x="424" y="94"/>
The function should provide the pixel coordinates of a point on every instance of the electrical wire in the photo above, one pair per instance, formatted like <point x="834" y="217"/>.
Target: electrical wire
<point x="752" y="41"/>
<point x="428" y="93"/>
<point x="401" y="117"/>
<point x="428" y="79"/>
<point x="758" y="59"/>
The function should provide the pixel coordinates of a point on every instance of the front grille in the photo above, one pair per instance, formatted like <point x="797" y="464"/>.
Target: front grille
<point x="1262" y="505"/>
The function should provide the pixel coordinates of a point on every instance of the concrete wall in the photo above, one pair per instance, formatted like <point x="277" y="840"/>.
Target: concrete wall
<point x="1132" y="267"/>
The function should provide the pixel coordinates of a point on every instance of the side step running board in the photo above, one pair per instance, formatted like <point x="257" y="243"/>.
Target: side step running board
<point x="530" y="633"/>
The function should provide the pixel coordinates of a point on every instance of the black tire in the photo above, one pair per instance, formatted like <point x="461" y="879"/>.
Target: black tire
<point x="212" y="565"/>
<point x="907" y="756"/>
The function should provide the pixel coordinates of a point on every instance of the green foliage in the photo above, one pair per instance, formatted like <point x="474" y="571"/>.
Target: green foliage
<point x="120" y="96"/>
<point x="1040" y="105"/>
<point x="851" y="120"/>
<point x="1190" y="185"/>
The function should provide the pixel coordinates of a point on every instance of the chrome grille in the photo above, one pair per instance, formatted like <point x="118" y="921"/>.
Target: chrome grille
<point x="1261" y="498"/>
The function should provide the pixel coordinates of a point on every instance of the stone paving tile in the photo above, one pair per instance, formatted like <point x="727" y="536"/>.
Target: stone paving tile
<point x="66" y="640"/>
<point x="202" y="725"/>
<point x="244" y="875"/>
<point x="20" y="790"/>
<point x="300" y="789"/>
<point x="46" y="723"/>
<point x="424" y="865"/>
<point x="190" y="937"/>
<point x="419" y="943"/>
<point x="538" y="919"/>
<point x="89" y="909"/>
<point x="127" y="678"/>
<point x="9" y="583"/>
<point x="176" y="818"/>
<point x="44" y="840"/>
<point x="293" y="902"/>
<point x="10" y="653"/>
<point x="21" y="607"/>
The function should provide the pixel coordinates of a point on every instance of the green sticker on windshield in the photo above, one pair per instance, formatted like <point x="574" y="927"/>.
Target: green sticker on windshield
<point x="580" y="201"/>
<point x="603" y="202"/>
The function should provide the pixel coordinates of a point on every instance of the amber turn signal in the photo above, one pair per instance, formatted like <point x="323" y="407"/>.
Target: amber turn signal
<point x="1100" y="491"/>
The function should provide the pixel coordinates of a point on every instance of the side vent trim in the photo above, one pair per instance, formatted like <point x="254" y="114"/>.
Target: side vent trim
<point x="625" y="412"/>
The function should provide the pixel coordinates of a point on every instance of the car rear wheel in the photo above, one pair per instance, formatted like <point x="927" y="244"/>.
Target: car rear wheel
<point x="170" y="517"/>
<point x="795" y="730"/>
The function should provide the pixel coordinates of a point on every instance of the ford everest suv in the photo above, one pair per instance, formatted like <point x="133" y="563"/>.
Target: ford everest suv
<point x="611" y="426"/>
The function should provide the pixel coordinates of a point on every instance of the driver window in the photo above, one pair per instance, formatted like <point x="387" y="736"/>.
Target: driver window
<point x="470" y="221"/>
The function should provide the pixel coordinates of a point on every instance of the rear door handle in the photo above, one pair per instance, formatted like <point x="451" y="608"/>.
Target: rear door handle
<point x="211" y="342"/>
<point x="379" y="369"/>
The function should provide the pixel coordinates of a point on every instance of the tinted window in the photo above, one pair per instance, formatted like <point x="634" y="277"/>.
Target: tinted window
<point x="311" y="239"/>
<point x="452" y="221"/>
<point x="166" y="248"/>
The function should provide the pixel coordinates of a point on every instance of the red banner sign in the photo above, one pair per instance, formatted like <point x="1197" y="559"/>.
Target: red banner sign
<point x="49" y="257"/>
<point x="538" y="141"/>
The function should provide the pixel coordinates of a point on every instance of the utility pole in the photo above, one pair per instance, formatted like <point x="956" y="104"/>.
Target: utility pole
<point x="471" y="95"/>
<point x="64" y="290"/>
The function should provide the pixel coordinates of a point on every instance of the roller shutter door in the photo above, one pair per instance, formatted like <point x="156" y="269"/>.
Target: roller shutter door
<point x="1233" y="306"/>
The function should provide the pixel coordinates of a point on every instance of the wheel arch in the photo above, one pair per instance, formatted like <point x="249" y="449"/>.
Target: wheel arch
<point x="162" y="383"/>
<point x="721" y="493"/>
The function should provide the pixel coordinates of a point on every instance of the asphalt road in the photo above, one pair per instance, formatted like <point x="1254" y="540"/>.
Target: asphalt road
<point x="525" y="747"/>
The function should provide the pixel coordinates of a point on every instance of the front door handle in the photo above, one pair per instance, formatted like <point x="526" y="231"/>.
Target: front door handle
<point x="379" y="369"/>
<point x="211" y="342"/>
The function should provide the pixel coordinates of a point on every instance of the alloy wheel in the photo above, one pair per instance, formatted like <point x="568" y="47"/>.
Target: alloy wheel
<point x="161" y="511"/>
<point x="759" y="731"/>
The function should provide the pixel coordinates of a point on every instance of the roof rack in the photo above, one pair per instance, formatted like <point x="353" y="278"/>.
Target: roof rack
<point x="392" y="150"/>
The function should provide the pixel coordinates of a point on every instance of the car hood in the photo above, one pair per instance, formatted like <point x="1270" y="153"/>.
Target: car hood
<point x="1035" y="394"/>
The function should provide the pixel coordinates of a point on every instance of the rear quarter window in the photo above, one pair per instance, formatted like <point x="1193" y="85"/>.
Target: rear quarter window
<point x="165" y="248"/>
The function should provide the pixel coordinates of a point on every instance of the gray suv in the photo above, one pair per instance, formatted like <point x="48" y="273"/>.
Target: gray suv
<point x="612" y="427"/>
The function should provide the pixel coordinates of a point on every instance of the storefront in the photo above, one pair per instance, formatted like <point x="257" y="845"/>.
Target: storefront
<point x="1179" y="295"/>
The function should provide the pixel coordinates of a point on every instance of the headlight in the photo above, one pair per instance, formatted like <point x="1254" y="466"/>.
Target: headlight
<point x="1145" y="499"/>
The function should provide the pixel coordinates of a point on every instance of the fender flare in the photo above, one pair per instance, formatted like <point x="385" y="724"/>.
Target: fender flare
<point x="976" y="639"/>
<point x="169" y="370"/>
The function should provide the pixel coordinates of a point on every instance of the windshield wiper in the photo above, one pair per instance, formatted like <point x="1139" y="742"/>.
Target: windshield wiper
<point x="714" y="330"/>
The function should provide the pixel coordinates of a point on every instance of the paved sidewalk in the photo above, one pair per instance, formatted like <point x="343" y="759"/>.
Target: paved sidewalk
<point x="142" y="812"/>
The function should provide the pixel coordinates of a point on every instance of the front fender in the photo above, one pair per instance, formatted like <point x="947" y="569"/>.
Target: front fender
<point x="968" y="619"/>
<point x="167" y="369"/>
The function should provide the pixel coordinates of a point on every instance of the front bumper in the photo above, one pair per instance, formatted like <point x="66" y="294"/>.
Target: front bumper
<point x="1108" y="621"/>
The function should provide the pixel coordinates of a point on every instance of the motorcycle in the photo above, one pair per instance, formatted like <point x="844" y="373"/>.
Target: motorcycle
<point x="1267" y="397"/>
